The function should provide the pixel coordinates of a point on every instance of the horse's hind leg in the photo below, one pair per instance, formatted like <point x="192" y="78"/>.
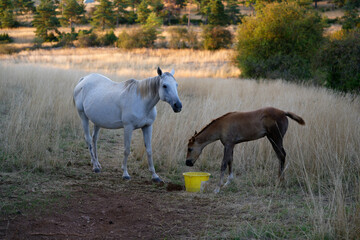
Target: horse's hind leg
<point x="96" y="164"/>
<point x="147" y="132"/>
<point x="88" y="139"/>
<point x="276" y="140"/>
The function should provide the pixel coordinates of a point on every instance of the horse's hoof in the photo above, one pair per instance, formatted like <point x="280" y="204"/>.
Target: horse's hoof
<point x="97" y="170"/>
<point x="127" y="178"/>
<point x="157" y="180"/>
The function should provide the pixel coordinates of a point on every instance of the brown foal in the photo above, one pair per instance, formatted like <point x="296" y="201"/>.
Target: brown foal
<point x="236" y="127"/>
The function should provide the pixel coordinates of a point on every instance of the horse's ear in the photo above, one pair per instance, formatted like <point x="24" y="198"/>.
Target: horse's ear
<point x="172" y="72"/>
<point x="159" y="71"/>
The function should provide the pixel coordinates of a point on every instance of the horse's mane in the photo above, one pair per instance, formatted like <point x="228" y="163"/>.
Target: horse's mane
<point x="146" y="87"/>
<point x="208" y="125"/>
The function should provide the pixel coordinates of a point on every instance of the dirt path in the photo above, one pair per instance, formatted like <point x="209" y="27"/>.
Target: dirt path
<point x="141" y="211"/>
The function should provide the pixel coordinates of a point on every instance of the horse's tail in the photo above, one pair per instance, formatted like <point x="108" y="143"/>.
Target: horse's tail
<point x="295" y="117"/>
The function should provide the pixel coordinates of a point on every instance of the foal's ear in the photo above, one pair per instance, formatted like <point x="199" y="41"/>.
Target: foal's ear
<point x="195" y="132"/>
<point x="172" y="72"/>
<point x="159" y="71"/>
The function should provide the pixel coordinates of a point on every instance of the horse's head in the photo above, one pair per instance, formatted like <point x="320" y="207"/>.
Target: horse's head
<point x="193" y="152"/>
<point x="168" y="90"/>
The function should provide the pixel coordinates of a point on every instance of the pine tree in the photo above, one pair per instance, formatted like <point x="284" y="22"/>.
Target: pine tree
<point x="103" y="15"/>
<point x="233" y="11"/>
<point x="204" y="9"/>
<point x="23" y="6"/>
<point x="217" y="14"/>
<point x="72" y="11"/>
<point x="120" y="10"/>
<point x="143" y="12"/>
<point x="6" y="14"/>
<point x="45" y="19"/>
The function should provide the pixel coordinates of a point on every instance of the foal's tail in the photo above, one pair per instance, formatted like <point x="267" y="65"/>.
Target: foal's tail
<point x="295" y="117"/>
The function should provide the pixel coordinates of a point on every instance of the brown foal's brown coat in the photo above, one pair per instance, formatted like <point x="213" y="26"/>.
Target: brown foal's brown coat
<point x="236" y="127"/>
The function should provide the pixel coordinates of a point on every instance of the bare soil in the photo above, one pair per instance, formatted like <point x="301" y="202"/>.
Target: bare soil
<point x="141" y="211"/>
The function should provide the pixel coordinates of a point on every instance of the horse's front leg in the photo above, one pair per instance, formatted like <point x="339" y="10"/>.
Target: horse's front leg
<point x="147" y="133"/>
<point x="127" y="141"/>
<point x="228" y="153"/>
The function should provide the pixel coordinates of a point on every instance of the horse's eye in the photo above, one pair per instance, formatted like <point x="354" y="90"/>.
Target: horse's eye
<point x="164" y="86"/>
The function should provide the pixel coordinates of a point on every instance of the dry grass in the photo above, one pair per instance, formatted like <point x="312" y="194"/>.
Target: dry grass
<point x="41" y="130"/>
<point x="138" y="63"/>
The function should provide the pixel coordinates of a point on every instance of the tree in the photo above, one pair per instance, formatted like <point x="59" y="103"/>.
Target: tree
<point x="338" y="64"/>
<point x="143" y="12"/>
<point x="45" y="19"/>
<point x="6" y="14"/>
<point x="280" y="42"/>
<point x="217" y="15"/>
<point x="204" y="9"/>
<point x="120" y="10"/>
<point x="103" y="15"/>
<point x="171" y="8"/>
<point x="23" y="6"/>
<point x="72" y="11"/>
<point x="233" y="12"/>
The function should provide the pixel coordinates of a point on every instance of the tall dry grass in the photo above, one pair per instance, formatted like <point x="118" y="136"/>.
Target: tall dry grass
<point x="40" y="127"/>
<point x="138" y="63"/>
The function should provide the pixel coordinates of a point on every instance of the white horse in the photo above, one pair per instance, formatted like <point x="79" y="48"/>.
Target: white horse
<point x="129" y="105"/>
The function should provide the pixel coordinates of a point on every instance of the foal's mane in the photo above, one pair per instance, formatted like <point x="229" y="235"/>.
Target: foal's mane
<point x="213" y="121"/>
<point x="147" y="87"/>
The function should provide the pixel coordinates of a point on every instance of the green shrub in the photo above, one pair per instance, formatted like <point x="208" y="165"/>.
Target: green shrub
<point x="87" y="39"/>
<point x="181" y="37"/>
<point x="108" y="39"/>
<point x="280" y="42"/>
<point x="67" y="39"/>
<point x="138" y="38"/>
<point x="216" y="37"/>
<point x="5" y="38"/>
<point x="338" y="64"/>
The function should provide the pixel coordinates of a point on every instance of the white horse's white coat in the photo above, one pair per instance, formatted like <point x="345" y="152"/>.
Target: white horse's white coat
<point x="129" y="105"/>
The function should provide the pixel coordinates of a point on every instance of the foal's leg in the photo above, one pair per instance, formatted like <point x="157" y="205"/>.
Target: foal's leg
<point x="276" y="141"/>
<point x="231" y="176"/>
<point x="147" y="133"/>
<point x="228" y="153"/>
<point x="127" y="141"/>
<point x="96" y="164"/>
<point x="85" y="124"/>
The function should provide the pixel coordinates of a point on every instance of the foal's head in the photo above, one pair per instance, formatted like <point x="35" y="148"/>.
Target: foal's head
<point x="193" y="152"/>
<point x="168" y="90"/>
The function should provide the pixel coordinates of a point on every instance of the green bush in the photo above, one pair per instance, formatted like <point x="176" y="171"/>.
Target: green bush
<point x="138" y="38"/>
<point x="181" y="37"/>
<point x="5" y="38"/>
<point x="108" y="39"/>
<point x="280" y="42"/>
<point x="216" y="37"/>
<point x="338" y="64"/>
<point x="67" y="39"/>
<point x="87" y="39"/>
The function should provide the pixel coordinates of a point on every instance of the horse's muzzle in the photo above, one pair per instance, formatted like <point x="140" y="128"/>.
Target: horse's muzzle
<point x="189" y="163"/>
<point x="177" y="107"/>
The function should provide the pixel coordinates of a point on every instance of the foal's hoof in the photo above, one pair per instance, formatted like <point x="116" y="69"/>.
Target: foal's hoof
<point x="157" y="180"/>
<point x="97" y="170"/>
<point x="126" y="178"/>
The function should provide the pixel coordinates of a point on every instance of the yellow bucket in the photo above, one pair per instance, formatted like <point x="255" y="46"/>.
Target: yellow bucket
<point x="193" y="180"/>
